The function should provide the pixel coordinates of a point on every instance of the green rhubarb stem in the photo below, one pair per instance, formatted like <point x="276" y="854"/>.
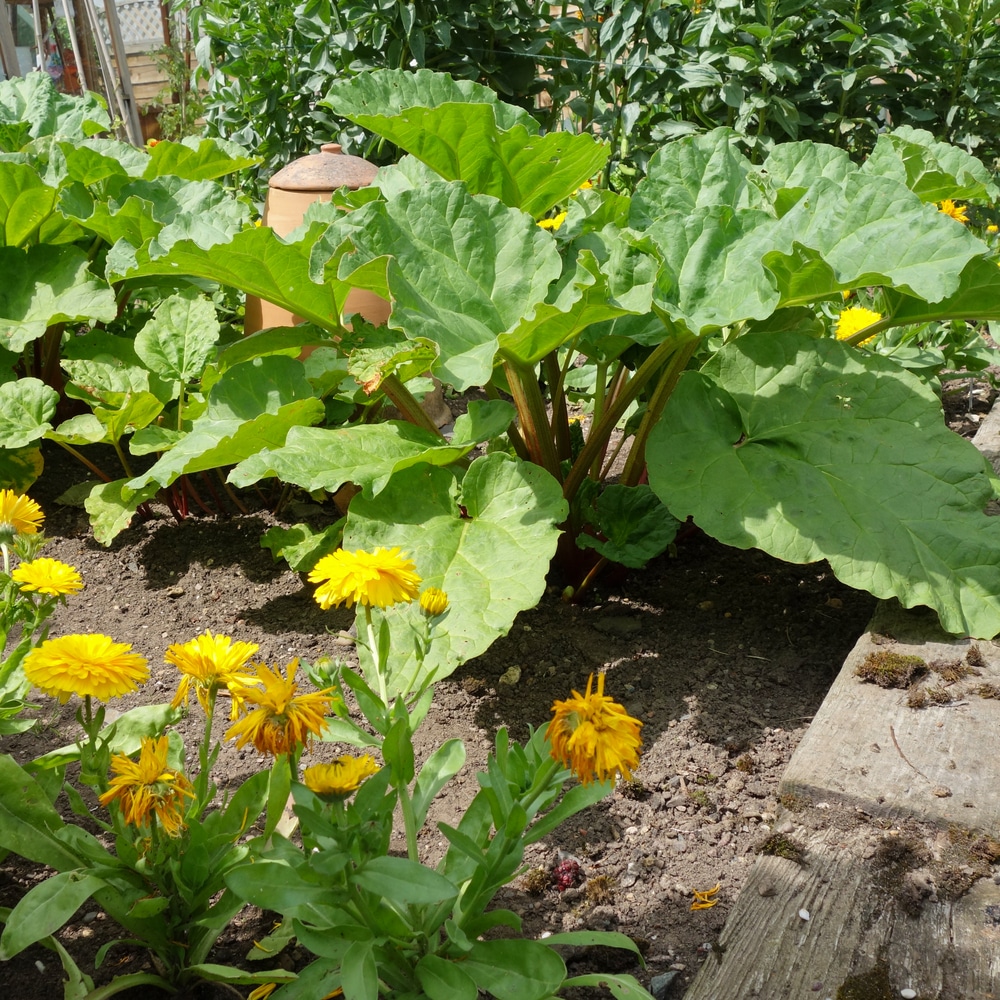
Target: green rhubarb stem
<point x="636" y="460"/>
<point x="104" y="477"/>
<point x="601" y="434"/>
<point x="534" y="419"/>
<point x="405" y="402"/>
<point x="560" y="419"/>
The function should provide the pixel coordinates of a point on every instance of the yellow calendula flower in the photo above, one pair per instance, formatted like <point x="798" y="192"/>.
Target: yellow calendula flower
<point x="992" y="229"/>
<point x="148" y="788"/>
<point x="594" y="736"/>
<point x="376" y="579"/>
<point x="264" y="991"/>
<point x="433" y="602"/>
<point x="554" y="223"/>
<point x="48" y="576"/>
<point x="956" y="212"/>
<point x="283" y="720"/>
<point x="19" y="515"/>
<point x="855" y="319"/>
<point x="341" y="777"/>
<point x="210" y="663"/>
<point x="85" y="665"/>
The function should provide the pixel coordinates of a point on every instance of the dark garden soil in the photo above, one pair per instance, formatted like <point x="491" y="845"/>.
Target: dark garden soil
<point x="724" y="655"/>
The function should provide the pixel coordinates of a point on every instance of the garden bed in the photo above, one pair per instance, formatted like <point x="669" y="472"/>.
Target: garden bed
<point x="724" y="655"/>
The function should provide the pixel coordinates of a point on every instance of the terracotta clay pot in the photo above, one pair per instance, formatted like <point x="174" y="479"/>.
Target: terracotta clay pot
<point x="290" y="192"/>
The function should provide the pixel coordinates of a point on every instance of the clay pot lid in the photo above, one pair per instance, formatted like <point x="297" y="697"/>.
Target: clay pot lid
<point x="326" y="170"/>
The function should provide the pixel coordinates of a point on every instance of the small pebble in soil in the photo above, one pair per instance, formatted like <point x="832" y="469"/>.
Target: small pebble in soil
<point x="908" y="994"/>
<point x="804" y="914"/>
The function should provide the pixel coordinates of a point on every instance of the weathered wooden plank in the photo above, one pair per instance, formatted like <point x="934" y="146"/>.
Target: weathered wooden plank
<point x="889" y="909"/>
<point x="867" y="747"/>
<point x="897" y="811"/>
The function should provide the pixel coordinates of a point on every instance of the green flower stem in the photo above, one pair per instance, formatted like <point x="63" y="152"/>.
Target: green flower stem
<point x="204" y="764"/>
<point x="383" y="692"/>
<point x="6" y="558"/>
<point x="600" y="434"/>
<point x="409" y="822"/>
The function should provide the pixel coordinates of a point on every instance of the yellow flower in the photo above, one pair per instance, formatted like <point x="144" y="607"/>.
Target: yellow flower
<point x="957" y="212"/>
<point x="340" y="778"/>
<point x="380" y="578"/>
<point x="433" y="602"/>
<point x="48" y="576"/>
<point x="85" y="665"/>
<point x="147" y="787"/>
<point x="211" y="662"/>
<point x="264" y="991"/>
<point x="593" y="735"/>
<point x="855" y="319"/>
<point x="705" y="900"/>
<point x="19" y="515"/>
<point x="552" y="224"/>
<point x="993" y="230"/>
<point x="283" y="721"/>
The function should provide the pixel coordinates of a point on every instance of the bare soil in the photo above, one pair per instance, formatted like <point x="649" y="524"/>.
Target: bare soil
<point x="724" y="655"/>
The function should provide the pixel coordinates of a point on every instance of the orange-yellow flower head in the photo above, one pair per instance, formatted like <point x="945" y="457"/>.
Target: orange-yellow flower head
<point x="433" y="602"/>
<point x="854" y="319"/>
<point x="48" y="576"/>
<point x="956" y="212"/>
<point x="211" y="662"/>
<point x="283" y="721"/>
<point x="376" y="579"/>
<point x="554" y="223"/>
<point x="594" y="736"/>
<point x="338" y="779"/>
<point x="85" y="665"/>
<point x="148" y="788"/>
<point x="19" y="515"/>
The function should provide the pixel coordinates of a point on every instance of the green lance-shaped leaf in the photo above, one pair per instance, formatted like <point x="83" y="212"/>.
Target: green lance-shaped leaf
<point x="462" y="132"/>
<point x="515" y="970"/>
<point x="809" y="450"/>
<point x="441" y="979"/>
<point x="932" y="169"/>
<point x="251" y="407"/>
<point x="259" y="263"/>
<point x="367" y="455"/>
<point x="26" y="407"/>
<point x="487" y="542"/>
<point x="462" y="270"/>
<point x="197" y="159"/>
<point x="177" y="341"/>
<point x="44" y="910"/>
<point x="45" y="285"/>
<point x="400" y="880"/>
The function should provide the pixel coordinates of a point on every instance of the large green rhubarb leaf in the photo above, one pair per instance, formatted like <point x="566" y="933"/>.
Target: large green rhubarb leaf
<point x="33" y="99"/>
<point x="26" y="407"/>
<point x="252" y="406"/>
<point x="46" y="285"/>
<point x="197" y="159"/>
<point x="260" y="263"/>
<point x="462" y="270"/>
<point x="487" y="541"/>
<point x="462" y="132"/>
<point x="366" y="455"/>
<point x="810" y="450"/>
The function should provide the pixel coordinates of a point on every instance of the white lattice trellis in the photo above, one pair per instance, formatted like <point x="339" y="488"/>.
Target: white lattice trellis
<point x="140" y="23"/>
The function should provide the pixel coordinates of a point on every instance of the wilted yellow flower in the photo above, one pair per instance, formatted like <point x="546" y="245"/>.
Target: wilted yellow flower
<point x="434" y="602"/>
<point x="85" y="665"/>
<point x="380" y="578"/>
<point x="283" y="721"/>
<point x="554" y="223"/>
<point x="340" y="778"/>
<point x="264" y="991"/>
<point x="855" y="319"/>
<point x="705" y="899"/>
<point x="147" y="787"/>
<point x="48" y="576"/>
<point x="211" y="662"/>
<point x="593" y="735"/>
<point x="19" y="515"/>
<point x="957" y="212"/>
